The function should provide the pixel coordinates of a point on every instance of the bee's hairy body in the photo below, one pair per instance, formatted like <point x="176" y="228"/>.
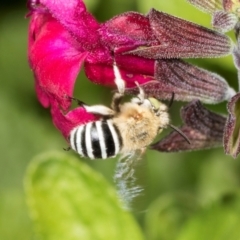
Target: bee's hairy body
<point x="98" y="139"/>
<point x="124" y="128"/>
<point x="138" y="126"/>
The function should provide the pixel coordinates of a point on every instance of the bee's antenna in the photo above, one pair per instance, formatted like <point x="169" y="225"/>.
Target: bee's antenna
<point x="171" y="100"/>
<point x="79" y="102"/>
<point x="180" y="132"/>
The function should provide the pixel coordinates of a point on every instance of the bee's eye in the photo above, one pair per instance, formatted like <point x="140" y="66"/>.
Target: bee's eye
<point x="155" y="110"/>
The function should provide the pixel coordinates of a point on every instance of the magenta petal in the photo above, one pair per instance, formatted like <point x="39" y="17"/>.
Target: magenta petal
<point x="100" y="73"/>
<point x="187" y="82"/>
<point x="44" y="97"/>
<point x="128" y="29"/>
<point x="232" y="128"/>
<point x="72" y="14"/>
<point x="135" y="64"/>
<point x="133" y="69"/>
<point x="54" y="59"/>
<point x="203" y="128"/>
<point x="65" y="123"/>
<point x="179" y="38"/>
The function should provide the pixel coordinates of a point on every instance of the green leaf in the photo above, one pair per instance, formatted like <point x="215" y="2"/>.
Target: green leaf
<point x="220" y="221"/>
<point x="91" y="4"/>
<point x="217" y="177"/>
<point x="69" y="201"/>
<point x="14" y="222"/>
<point x="167" y="214"/>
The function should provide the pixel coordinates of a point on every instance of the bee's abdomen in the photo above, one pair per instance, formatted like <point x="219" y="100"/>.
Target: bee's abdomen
<point x="99" y="139"/>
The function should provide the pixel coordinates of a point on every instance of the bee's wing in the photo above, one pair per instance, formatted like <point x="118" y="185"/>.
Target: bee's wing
<point x="125" y="177"/>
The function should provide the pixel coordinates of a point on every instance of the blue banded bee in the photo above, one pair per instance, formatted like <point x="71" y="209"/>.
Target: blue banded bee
<point x="123" y="128"/>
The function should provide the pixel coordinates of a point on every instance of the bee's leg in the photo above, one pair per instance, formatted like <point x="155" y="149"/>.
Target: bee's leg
<point x="117" y="97"/>
<point x="141" y="94"/>
<point x="116" y="100"/>
<point x="95" y="109"/>
<point x="100" y="110"/>
<point x="79" y="102"/>
<point x="118" y="79"/>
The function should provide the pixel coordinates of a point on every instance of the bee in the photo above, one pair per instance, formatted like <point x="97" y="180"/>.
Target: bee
<point x="126" y="129"/>
<point x="123" y="128"/>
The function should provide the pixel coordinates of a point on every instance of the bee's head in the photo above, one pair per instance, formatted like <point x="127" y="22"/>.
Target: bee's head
<point x="152" y="103"/>
<point x="161" y="111"/>
<point x="157" y="106"/>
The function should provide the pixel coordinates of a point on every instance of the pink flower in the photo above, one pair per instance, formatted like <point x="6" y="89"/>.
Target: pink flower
<point x="64" y="37"/>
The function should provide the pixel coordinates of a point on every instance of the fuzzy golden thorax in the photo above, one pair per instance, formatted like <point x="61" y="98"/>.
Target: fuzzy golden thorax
<point x="139" y="124"/>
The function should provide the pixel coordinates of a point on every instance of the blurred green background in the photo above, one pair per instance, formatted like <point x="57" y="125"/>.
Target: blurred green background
<point x="183" y="190"/>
